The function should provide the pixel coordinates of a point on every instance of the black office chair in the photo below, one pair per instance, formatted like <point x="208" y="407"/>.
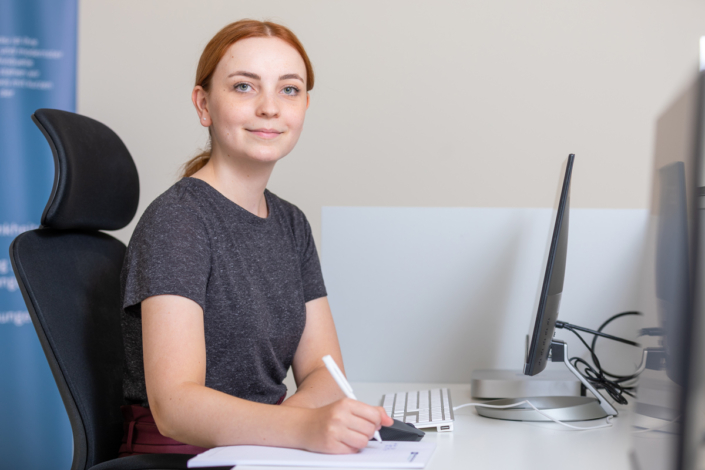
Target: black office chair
<point x="69" y="275"/>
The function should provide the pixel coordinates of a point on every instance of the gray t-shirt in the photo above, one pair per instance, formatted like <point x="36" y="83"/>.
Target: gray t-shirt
<point x="251" y="276"/>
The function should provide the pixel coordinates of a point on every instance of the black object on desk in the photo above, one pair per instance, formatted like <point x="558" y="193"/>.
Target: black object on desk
<point x="400" y="431"/>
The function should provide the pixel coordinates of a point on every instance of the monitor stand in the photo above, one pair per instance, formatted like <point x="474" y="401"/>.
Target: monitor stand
<point x="560" y="408"/>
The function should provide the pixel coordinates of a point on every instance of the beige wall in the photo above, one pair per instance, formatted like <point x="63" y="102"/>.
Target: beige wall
<point x="443" y="103"/>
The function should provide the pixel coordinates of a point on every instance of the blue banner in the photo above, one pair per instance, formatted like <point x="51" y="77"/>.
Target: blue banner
<point x="37" y="70"/>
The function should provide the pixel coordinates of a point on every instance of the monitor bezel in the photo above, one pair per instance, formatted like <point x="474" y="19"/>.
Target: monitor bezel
<point x="535" y="362"/>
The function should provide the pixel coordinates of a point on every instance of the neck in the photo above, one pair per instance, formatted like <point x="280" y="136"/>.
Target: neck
<point x="242" y="181"/>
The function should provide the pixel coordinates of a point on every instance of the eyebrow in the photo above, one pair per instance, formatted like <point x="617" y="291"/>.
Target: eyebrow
<point x="251" y="75"/>
<point x="254" y="76"/>
<point x="295" y="76"/>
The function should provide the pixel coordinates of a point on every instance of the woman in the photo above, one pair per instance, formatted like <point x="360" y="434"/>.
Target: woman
<point x="222" y="284"/>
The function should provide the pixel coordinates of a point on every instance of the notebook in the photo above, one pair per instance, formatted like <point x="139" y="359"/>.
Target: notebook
<point x="387" y="454"/>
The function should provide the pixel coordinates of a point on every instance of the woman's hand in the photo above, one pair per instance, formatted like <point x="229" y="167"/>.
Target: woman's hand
<point x="343" y="427"/>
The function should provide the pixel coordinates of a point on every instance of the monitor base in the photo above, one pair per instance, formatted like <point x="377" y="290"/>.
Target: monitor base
<point x="489" y="384"/>
<point x="559" y="408"/>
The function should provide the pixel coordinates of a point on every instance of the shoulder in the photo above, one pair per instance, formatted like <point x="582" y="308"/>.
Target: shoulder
<point x="170" y="249"/>
<point x="290" y="212"/>
<point x="296" y="221"/>
<point x="180" y="199"/>
<point x="179" y="209"/>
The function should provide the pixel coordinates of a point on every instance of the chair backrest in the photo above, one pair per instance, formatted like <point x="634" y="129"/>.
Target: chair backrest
<point x="69" y="275"/>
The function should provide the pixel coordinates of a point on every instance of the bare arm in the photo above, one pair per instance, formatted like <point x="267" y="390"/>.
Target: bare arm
<point x="315" y="385"/>
<point x="188" y="411"/>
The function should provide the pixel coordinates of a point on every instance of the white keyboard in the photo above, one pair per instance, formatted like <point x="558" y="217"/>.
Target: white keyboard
<point x="423" y="409"/>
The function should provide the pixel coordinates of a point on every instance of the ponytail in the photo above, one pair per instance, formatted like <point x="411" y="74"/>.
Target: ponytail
<point x="196" y="163"/>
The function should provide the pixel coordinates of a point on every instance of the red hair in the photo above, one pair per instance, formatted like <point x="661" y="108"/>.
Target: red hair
<point x="215" y="50"/>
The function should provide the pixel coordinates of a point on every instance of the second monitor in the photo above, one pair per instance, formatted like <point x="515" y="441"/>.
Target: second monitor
<point x="541" y="347"/>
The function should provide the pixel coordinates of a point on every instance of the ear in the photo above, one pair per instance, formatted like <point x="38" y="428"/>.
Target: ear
<point x="199" y="96"/>
<point x="308" y="99"/>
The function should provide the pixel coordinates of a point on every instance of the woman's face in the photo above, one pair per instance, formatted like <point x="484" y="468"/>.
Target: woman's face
<point x="257" y="100"/>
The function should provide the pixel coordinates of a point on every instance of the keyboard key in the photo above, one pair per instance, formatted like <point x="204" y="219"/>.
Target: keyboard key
<point x="446" y="404"/>
<point x="400" y="404"/>
<point x="388" y="400"/>
<point x="412" y="402"/>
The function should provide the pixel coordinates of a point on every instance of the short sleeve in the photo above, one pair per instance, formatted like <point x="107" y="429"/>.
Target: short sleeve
<point x="169" y="254"/>
<point x="311" y="274"/>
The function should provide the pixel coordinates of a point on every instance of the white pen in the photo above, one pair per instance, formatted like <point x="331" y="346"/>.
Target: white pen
<point x="342" y="382"/>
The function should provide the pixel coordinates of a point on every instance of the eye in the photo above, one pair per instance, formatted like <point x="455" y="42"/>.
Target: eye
<point x="291" y="90"/>
<point x="243" y="87"/>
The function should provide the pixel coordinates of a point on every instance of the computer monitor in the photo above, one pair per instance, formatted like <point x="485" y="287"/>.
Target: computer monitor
<point x="673" y="267"/>
<point x="545" y="314"/>
<point x="691" y="447"/>
<point x="541" y="346"/>
<point x="668" y="422"/>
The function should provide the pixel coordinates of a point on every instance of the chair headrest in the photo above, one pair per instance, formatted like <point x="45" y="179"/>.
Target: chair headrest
<point x="96" y="186"/>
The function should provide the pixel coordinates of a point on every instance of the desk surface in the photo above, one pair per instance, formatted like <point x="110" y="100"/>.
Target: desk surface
<point x="479" y="443"/>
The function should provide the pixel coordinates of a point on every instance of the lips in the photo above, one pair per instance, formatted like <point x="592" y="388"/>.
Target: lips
<point x="265" y="133"/>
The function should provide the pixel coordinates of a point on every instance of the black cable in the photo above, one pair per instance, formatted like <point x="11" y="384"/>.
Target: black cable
<point x="594" y="342"/>
<point x="562" y="324"/>
<point x="595" y="375"/>
<point x="610" y="320"/>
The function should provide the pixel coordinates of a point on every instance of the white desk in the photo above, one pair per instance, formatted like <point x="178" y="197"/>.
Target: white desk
<point x="482" y="443"/>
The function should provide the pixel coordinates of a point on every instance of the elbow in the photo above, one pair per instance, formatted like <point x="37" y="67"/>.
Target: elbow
<point x="169" y="413"/>
<point x="168" y="405"/>
<point x="161" y="416"/>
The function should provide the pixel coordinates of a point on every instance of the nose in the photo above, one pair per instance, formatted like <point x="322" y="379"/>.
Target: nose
<point x="267" y="107"/>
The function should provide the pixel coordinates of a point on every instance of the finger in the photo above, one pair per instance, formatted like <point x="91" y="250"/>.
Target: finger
<point x="361" y="426"/>
<point x="355" y="440"/>
<point x="385" y="419"/>
<point x="367" y="412"/>
<point x="343" y="448"/>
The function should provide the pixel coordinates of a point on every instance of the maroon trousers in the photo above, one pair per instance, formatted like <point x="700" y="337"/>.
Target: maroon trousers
<point x="141" y="436"/>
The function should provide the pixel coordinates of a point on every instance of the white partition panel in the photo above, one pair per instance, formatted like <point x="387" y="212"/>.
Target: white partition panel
<point x="430" y="294"/>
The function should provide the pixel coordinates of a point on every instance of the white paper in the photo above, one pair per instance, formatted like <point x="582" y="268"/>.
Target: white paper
<point x="375" y="455"/>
